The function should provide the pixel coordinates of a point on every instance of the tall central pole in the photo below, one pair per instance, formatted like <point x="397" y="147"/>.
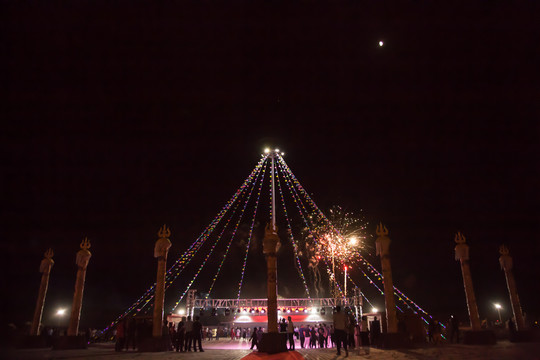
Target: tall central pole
<point x="273" y="155"/>
<point x="272" y="342"/>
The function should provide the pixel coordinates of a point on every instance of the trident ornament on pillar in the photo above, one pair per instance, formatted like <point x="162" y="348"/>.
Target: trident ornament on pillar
<point x="507" y="264"/>
<point x="462" y="254"/>
<point x="45" y="270"/>
<point x="163" y="244"/>
<point x="383" y="249"/>
<point x="82" y="259"/>
<point x="271" y="245"/>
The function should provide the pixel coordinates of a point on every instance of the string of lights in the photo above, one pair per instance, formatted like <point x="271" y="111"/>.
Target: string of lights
<point x="402" y="297"/>
<point x="230" y="243"/>
<point x="214" y="245"/>
<point x="186" y="257"/>
<point x="251" y="233"/>
<point x="307" y="219"/>
<point x="289" y="231"/>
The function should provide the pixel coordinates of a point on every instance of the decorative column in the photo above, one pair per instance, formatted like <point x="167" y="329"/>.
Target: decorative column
<point x="45" y="269"/>
<point x="507" y="264"/>
<point x="161" y="250"/>
<point x="383" y="249"/>
<point x="462" y="254"/>
<point x="271" y="245"/>
<point x="83" y="257"/>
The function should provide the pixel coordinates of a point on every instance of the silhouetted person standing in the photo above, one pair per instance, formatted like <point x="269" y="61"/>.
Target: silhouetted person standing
<point x="375" y="331"/>
<point x="290" y="333"/>
<point x="189" y="334"/>
<point x="254" y="339"/>
<point x="454" y="329"/>
<point x="340" y="330"/>
<point x="197" y="334"/>
<point x="302" y="333"/>
<point x="180" y="337"/>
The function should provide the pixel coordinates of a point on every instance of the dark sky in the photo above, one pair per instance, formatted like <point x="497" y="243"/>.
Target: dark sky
<point x="117" y="119"/>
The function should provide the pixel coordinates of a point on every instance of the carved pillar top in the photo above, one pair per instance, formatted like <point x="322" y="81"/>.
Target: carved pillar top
<point x="461" y="249"/>
<point x="382" y="244"/>
<point x="83" y="255"/>
<point x="47" y="262"/>
<point x="271" y="242"/>
<point x="163" y="244"/>
<point x="506" y="261"/>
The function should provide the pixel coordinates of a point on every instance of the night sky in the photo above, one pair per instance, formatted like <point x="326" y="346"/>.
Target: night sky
<point x="117" y="119"/>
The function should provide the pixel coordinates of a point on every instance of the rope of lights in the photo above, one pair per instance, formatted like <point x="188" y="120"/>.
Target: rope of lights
<point x="300" y="205"/>
<point x="289" y="231"/>
<point x="240" y="283"/>
<point x="213" y="247"/>
<point x="228" y="246"/>
<point x="191" y="251"/>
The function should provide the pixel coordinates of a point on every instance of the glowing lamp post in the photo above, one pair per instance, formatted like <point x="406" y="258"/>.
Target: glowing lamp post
<point x="498" y="307"/>
<point x="60" y="314"/>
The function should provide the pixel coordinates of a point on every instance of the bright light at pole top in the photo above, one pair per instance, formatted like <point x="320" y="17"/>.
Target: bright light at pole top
<point x="381" y="43"/>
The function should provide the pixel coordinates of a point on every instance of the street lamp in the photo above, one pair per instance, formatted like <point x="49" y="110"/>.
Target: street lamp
<point x="498" y="307"/>
<point x="60" y="314"/>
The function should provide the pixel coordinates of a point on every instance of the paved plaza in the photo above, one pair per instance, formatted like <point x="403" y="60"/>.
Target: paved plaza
<point x="235" y="350"/>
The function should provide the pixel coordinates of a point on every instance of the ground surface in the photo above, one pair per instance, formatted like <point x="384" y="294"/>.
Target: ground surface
<point x="235" y="350"/>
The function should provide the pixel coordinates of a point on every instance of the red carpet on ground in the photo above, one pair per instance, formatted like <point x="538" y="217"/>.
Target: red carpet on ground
<point x="289" y="355"/>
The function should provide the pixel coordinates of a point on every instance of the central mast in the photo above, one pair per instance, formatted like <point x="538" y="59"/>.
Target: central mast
<point x="273" y="156"/>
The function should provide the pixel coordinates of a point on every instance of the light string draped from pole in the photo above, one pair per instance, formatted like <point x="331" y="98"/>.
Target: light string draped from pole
<point x="314" y="205"/>
<point x="307" y="221"/>
<point x="213" y="247"/>
<point x="250" y="234"/>
<point x="229" y="244"/>
<point x="216" y="241"/>
<point x="289" y="232"/>
<point x="186" y="257"/>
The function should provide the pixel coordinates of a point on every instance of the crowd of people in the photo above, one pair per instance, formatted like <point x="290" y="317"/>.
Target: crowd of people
<point x="343" y="334"/>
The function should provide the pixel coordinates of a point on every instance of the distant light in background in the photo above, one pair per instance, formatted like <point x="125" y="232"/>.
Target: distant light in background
<point x="381" y="43"/>
<point x="61" y="312"/>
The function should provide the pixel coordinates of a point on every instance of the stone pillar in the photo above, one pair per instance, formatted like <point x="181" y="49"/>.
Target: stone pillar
<point x="271" y="245"/>
<point x="462" y="254"/>
<point x="45" y="269"/>
<point x="272" y="342"/>
<point x="383" y="249"/>
<point x="161" y="250"/>
<point x="83" y="257"/>
<point x="507" y="264"/>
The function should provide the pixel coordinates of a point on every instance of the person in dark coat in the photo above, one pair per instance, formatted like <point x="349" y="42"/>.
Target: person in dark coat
<point x="131" y="334"/>
<point x="302" y="333"/>
<point x="283" y="326"/>
<point x="197" y="334"/>
<point x="454" y="329"/>
<point x="375" y="331"/>
<point x="180" y="337"/>
<point x="254" y="339"/>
